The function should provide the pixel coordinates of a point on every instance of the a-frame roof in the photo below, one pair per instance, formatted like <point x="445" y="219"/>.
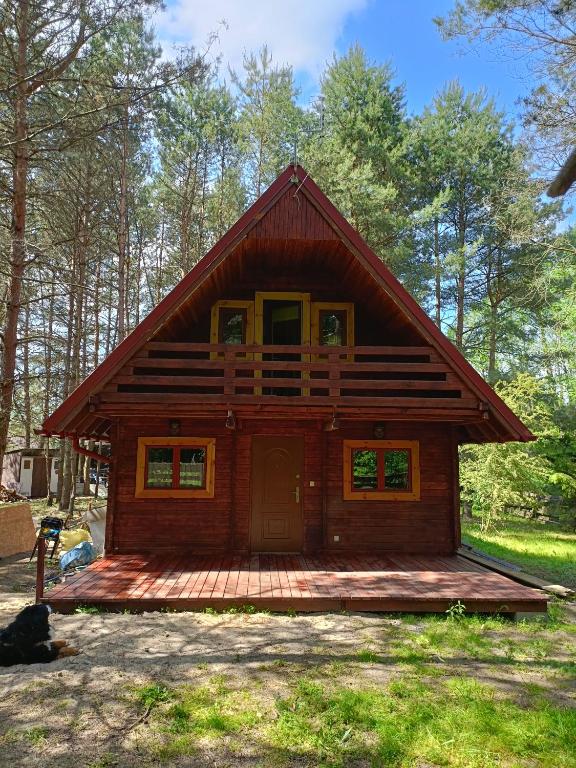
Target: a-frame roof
<point x="509" y="427"/>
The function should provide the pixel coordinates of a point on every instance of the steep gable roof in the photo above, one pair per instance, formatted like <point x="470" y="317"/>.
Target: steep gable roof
<point x="266" y="215"/>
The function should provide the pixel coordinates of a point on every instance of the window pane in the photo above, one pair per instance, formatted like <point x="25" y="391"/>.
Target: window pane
<point x="365" y="470"/>
<point x="192" y="467"/>
<point x="333" y="328"/>
<point x="159" y="468"/>
<point x="232" y="326"/>
<point x="396" y="470"/>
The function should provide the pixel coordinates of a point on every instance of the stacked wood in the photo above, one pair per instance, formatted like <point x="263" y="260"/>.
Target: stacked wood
<point x="8" y="496"/>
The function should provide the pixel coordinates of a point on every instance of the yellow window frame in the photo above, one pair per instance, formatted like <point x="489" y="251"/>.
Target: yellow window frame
<point x="245" y="304"/>
<point x="141" y="492"/>
<point x="351" y="494"/>
<point x="259" y="298"/>
<point x="319" y="306"/>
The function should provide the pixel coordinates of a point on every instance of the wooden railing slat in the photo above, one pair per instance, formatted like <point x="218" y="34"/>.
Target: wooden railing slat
<point x="285" y="365"/>
<point x="242" y="349"/>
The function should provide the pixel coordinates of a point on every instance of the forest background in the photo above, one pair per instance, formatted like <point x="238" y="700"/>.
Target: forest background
<point x="119" y="169"/>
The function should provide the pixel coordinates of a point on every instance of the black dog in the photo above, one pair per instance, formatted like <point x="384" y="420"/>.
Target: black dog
<point x="28" y="639"/>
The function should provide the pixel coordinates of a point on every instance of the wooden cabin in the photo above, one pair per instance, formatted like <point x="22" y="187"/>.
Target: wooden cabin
<point x="288" y="400"/>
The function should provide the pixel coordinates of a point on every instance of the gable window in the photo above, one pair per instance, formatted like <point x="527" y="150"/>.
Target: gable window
<point x="232" y="323"/>
<point x="181" y="467"/>
<point x="232" y="326"/>
<point x="381" y="470"/>
<point x="332" y="325"/>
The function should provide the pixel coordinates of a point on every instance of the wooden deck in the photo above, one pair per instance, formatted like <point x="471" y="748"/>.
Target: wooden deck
<point x="293" y="582"/>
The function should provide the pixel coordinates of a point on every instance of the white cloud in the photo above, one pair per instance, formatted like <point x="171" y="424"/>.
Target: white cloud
<point x="302" y="33"/>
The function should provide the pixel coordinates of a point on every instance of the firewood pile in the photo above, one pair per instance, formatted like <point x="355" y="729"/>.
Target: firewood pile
<point x="8" y="496"/>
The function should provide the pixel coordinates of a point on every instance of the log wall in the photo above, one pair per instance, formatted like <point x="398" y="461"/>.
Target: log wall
<point x="222" y="524"/>
<point x="416" y="527"/>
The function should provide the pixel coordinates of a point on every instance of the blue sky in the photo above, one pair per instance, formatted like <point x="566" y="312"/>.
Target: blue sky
<point x="307" y="34"/>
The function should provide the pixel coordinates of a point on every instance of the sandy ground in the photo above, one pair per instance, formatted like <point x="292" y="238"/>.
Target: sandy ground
<point x="81" y="712"/>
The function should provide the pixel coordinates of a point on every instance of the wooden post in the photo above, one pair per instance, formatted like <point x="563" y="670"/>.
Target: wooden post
<point x="228" y="372"/>
<point x="334" y="374"/>
<point x="40" y="560"/>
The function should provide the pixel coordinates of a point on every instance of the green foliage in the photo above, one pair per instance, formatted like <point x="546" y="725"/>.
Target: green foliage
<point x="269" y="120"/>
<point x="356" y="152"/>
<point x="152" y="694"/>
<point x="494" y="476"/>
<point x="36" y="735"/>
<point x="540" y="31"/>
<point x="476" y="219"/>
<point x="456" y="611"/>
<point x="88" y="609"/>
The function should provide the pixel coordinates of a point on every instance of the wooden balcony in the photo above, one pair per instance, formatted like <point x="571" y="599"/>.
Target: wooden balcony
<point x="346" y="377"/>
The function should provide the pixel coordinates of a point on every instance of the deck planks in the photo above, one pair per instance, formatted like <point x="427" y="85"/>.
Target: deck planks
<point x="392" y="582"/>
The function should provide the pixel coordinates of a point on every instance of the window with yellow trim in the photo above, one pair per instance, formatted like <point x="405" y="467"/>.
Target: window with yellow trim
<point x="232" y="323"/>
<point x="381" y="470"/>
<point x="175" y="467"/>
<point x="332" y="325"/>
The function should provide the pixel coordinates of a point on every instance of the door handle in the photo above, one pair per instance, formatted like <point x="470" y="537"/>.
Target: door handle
<point x="297" y="494"/>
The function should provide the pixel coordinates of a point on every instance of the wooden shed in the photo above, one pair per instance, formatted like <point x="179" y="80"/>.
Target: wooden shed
<point x="286" y="417"/>
<point x="24" y="470"/>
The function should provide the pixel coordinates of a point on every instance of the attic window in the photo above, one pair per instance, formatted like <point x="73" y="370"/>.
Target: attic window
<point x="232" y="326"/>
<point x="232" y="323"/>
<point x="332" y="327"/>
<point x="175" y="467"/>
<point x="381" y="470"/>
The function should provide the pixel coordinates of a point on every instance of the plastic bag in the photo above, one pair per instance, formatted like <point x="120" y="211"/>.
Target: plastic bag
<point x="69" y="539"/>
<point x="81" y="554"/>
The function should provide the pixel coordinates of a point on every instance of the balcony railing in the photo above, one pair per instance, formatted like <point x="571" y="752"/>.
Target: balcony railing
<point x="269" y="374"/>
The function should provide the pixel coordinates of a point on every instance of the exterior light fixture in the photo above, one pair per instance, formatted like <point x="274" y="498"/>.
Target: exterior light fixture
<point x="379" y="431"/>
<point x="333" y="425"/>
<point x="230" y="420"/>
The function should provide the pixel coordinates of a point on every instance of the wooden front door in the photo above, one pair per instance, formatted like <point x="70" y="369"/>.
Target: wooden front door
<point x="277" y="494"/>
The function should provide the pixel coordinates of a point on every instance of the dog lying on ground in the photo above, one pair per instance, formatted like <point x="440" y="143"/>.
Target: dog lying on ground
<point x="28" y="639"/>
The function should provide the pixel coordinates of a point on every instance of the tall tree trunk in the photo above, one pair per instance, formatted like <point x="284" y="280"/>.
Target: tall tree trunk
<point x="461" y="279"/>
<point x="26" y="377"/>
<point x="73" y="480"/>
<point x="492" y="337"/>
<point x="17" y="229"/>
<point x="437" y="275"/>
<point x="48" y="468"/>
<point x="63" y="493"/>
<point x="66" y="477"/>
<point x="97" y="287"/>
<point x="123" y="228"/>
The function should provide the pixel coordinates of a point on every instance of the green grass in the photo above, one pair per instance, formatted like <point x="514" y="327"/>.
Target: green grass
<point x="153" y="694"/>
<point x="36" y="735"/>
<point x="90" y="609"/>
<point x="40" y="508"/>
<point x="452" y="721"/>
<point x="459" y="723"/>
<point x="188" y="715"/>
<point x="541" y="550"/>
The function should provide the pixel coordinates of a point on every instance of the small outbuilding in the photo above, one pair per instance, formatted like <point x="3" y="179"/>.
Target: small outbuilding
<point x="24" y="471"/>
